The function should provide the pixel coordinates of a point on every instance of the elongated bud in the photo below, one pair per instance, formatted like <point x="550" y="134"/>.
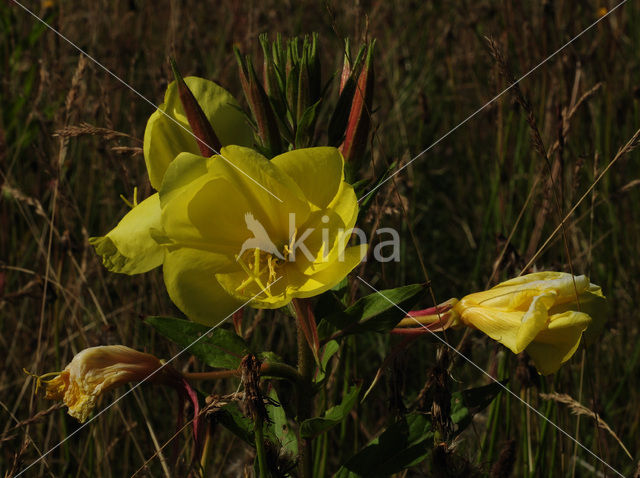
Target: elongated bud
<point x="208" y="142"/>
<point x="304" y="93"/>
<point x="314" y="70"/>
<point x="433" y="319"/>
<point x="348" y="82"/>
<point x="346" y="66"/>
<point x="256" y="96"/>
<point x="293" y="74"/>
<point x="358" y="125"/>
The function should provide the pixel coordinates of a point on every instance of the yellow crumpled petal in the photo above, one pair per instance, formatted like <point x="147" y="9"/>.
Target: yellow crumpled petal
<point x="129" y="247"/>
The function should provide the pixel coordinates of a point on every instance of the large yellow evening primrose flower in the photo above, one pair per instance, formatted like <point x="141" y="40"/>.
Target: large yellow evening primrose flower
<point x="238" y="227"/>
<point x="229" y="241"/>
<point x="538" y="313"/>
<point x="96" y="370"/>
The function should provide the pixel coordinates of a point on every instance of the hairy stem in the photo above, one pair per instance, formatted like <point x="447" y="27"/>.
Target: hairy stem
<point x="304" y="392"/>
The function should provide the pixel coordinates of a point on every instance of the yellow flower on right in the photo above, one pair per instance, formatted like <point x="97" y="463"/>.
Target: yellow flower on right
<point x="544" y="313"/>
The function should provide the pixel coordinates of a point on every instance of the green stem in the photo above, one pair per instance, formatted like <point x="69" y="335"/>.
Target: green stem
<point x="206" y="452"/>
<point x="267" y="370"/>
<point x="304" y="394"/>
<point x="260" y="451"/>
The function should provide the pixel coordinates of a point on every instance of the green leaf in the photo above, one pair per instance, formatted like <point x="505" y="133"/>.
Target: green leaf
<point x="220" y="348"/>
<point x="333" y="416"/>
<point x="466" y="403"/>
<point x="378" y="312"/>
<point x="279" y="426"/>
<point x="403" y="445"/>
<point x="230" y="417"/>
<point x="326" y="352"/>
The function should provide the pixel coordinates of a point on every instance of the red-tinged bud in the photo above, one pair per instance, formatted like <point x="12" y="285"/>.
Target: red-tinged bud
<point x="307" y="323"/>
<point x="208" y="142"/>
<point x="348" y="83"/>
<point x="358" y="125"/>
<point x="433" y="319"/>
<point x="237" y="321"/>
<point x="256" y="96"/>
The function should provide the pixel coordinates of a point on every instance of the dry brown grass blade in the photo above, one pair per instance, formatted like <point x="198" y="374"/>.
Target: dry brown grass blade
<point x="132" y="150"/>
<point x="37" y="416"/>
<point x="628" y="147"/>
<point x="578" y="409"/>
<point x="91" y="130"/>
<point x="573" y="109"/>
<point x="7" y="190"/>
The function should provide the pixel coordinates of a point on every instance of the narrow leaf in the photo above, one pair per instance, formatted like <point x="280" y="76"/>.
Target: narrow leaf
<point x="332" y="417"/>
<point x="326" y="353"/>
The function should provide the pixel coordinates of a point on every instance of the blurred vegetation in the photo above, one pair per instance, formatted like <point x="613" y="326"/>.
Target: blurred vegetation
<point x="455" y="207"/>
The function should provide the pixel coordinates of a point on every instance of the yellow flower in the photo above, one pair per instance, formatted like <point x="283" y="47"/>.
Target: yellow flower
<point x="539" y="313"/>
<point x="97" y="370"/>
<point x="236" y="227"/>
<point x="229" y="240"/>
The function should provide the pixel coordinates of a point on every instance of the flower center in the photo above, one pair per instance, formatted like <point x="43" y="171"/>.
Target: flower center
<point x="262" y="268"/>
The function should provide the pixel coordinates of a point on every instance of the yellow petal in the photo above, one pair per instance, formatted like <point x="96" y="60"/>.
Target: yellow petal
<point x="317" y="171"/>
<point x="168" y="132"/>
<point x="499" y="324"/>
<point x="189" y="276"/>
<point x="593" y="303"/>
<point x="129" y="247"/>
<point x="301" y="285"/>
<point x="200" y="210"/>
<point x="535" y="319"/>
<point x="271" y="193"/>
<point x="327" y="240"/>
<point x="556" y="344"/>
<point x="345" y="204"/>
<point x="208" y="209"/>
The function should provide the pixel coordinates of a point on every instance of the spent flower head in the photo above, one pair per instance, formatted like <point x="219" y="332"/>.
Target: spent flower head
<point x="96" y="370"/>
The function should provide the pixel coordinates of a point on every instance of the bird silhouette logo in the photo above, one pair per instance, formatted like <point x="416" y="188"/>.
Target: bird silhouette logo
<point x="260" y="239"/>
